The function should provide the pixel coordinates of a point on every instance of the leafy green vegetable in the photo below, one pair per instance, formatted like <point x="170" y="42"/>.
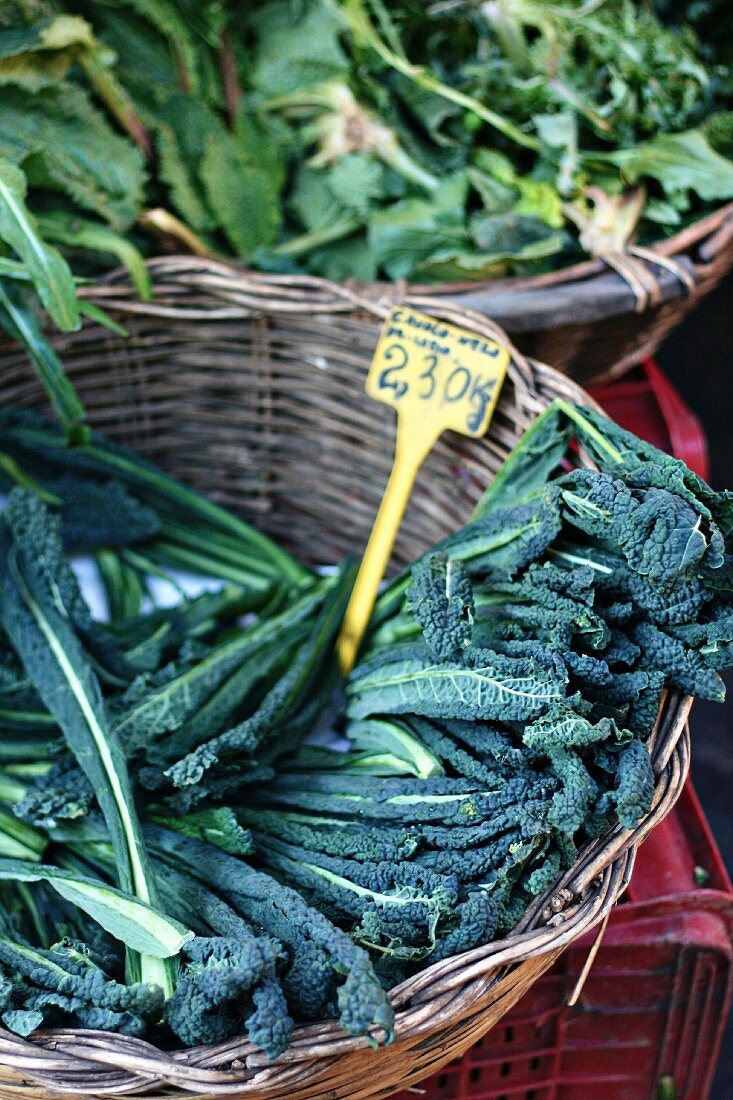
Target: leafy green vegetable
<point x="139" y="925"/>
<point x="499" y="718"/>
<point x="40" y="602"/>
<point x="349" y="138"/>
<point x="19" y="321"/>
<point x="47" y="268"/>
<point x="83" y="233"/>
<point x="681" y="162"/>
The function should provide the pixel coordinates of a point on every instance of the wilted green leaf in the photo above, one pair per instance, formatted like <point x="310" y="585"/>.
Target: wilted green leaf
<point x="67" y="144"/>
<point x="42" y="53"/>
<point x="680" y="162"/>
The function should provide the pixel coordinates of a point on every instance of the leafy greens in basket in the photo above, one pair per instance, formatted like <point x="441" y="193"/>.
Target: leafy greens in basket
<point x="178" y="860"/>
<point x="450" y="139"/>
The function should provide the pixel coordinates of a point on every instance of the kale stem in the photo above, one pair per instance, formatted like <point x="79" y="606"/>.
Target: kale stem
<point x="297" y="246"/>
<point x="600" y="440"/>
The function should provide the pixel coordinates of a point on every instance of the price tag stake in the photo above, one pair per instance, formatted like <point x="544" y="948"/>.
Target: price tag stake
<point x="437" y="377"/>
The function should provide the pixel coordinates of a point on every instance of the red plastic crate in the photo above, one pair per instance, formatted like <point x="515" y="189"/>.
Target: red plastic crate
<point x="646" y="402"/>
<point x="653" y="1007"/>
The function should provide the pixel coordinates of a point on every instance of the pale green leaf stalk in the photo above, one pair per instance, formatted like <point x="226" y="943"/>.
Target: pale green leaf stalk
<point x="47" y="267"/>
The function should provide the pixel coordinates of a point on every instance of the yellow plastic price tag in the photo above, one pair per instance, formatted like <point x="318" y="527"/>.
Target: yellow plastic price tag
<point x="437" y="376"/>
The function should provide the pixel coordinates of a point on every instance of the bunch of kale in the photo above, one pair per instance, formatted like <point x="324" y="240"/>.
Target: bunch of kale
<point x="125" y="907"/>
<point x="502" y="711"/>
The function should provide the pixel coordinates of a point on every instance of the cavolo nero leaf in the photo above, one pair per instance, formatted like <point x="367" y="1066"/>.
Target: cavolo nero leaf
<point x="37" y="596"/>
<point x="483" y="685"/>
<point x="528" y="467"/>
<point x="139" y="926"/>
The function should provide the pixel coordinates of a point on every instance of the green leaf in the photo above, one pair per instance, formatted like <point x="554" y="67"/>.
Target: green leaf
<point x="18" y="320"/>
<point x="383" y="735"/>
<point x="530" y="465"/>
<point x="244" y="197"/>
<point x="406" y="234"/>
<point x="351" y="259"/>
<point x="77" y="232"/>
<point x="47" y="267"/>
<point x="258" y="146"/>
<point x="65" y="143"/>
<point x="22" y="1021"/>
<point x="182" y="125"/>
<point x="485" y="685"/>
<point x="505" y="241"/>
<point x="94" y="313"/>
<point x="294" y="53"/>
<point x="43" y="52"/>
<point x="170" y="21"/>
<point x="39" y="606"/>
<point x="20" y="841"/>
<point x="680" y="162"/>
<point x="313" y="202"/>
<point x="718" y="129"/>
<point x="539" y="199"/>
<point x="356" y="181"/>
<point x="149" y="709"/>
<point x="215" y="825"/>
<point x="139" y="926"/>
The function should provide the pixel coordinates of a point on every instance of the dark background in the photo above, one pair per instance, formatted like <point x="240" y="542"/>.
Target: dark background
<point x="698" y="358"/>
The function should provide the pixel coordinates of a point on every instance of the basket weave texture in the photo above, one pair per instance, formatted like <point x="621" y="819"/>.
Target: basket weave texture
<point x="251" y="388"/>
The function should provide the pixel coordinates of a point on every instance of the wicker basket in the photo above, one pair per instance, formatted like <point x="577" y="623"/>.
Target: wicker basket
<point x="251" y="388"/>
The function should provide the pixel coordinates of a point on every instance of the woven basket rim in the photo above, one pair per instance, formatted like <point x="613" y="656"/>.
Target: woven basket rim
<point x="580" y="271"/>
<point x="117" y="1064"/>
